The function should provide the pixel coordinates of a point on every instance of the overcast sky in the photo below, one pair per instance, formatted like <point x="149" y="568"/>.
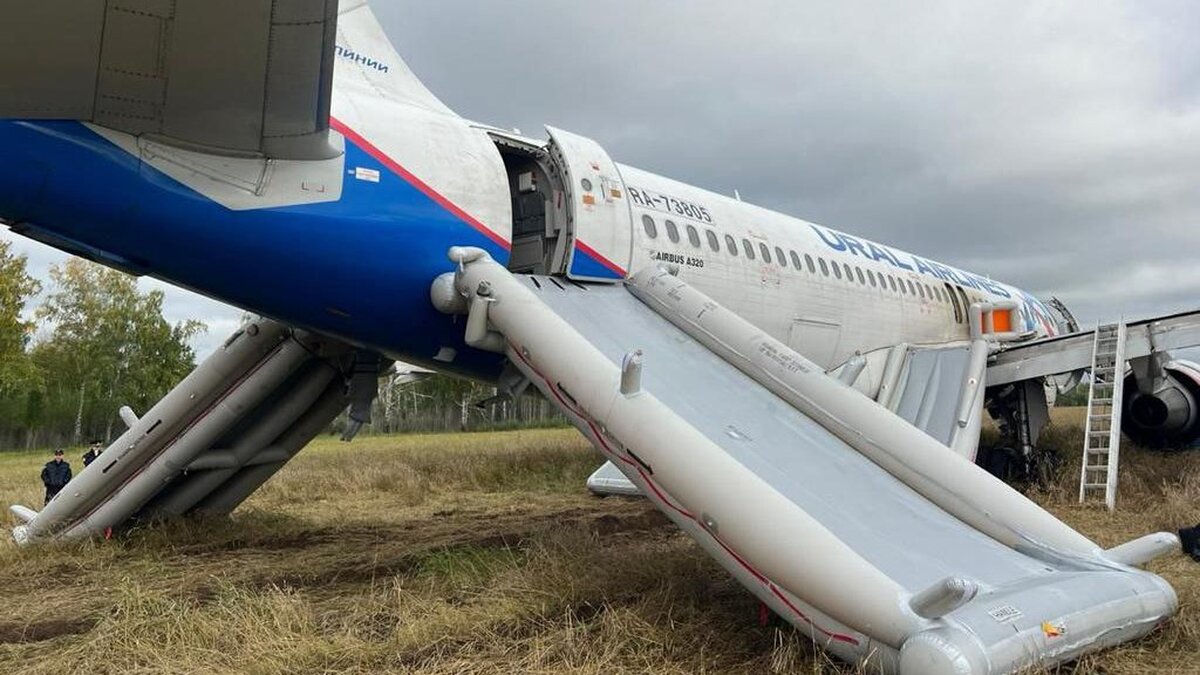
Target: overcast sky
<point x="1053" y="145"/>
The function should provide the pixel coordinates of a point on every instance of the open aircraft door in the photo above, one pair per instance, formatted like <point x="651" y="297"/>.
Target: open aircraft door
<point x="600" y="224"/>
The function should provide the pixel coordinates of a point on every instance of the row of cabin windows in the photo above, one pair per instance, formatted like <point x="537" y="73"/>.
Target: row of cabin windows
<point x="838" y="270"/>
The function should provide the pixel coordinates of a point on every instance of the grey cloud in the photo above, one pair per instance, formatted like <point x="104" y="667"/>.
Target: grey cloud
<point x="1051" y="145"/>
<point x="1055" y="146"/>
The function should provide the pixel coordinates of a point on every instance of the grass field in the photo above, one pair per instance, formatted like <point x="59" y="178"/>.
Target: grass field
<point x="467" y="553"/>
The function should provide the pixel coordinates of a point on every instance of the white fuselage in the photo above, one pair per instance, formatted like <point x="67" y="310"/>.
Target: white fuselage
<point x="825" y="293"/>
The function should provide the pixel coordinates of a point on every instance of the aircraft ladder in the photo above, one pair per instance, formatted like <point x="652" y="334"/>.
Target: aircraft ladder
<point x="1102" y="434"/>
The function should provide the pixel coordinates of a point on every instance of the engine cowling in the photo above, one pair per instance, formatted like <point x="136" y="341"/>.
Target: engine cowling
<point x="1169" y="418"/>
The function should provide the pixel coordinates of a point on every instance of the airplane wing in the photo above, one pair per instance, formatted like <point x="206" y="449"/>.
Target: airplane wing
<point x="228" y="76"/>
<point x="886" y="545"/>
<point x="1066" y="353"/>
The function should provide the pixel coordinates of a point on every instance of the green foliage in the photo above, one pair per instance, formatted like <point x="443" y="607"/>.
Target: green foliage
<point x="1077" y="397"/>
<point x="445" y="403"/>
<point x="21" y="382"/>
<point x="108" y="345"/>
<point x="103" y="344"/>
<point x="17" y="374"/>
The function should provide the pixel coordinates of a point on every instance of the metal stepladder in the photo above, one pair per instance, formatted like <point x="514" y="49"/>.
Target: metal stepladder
<point x="1102" y="434"/>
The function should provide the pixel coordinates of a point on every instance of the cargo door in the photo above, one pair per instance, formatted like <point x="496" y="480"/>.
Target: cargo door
<point x="599" y="221"/>
<point x="816" y="338"/>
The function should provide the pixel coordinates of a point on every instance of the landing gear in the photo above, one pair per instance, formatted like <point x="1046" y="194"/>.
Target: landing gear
<point x="1021" y="412"/>
<point x="1002" y="462"/>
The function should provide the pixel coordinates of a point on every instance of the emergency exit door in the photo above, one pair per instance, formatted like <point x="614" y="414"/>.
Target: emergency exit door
<point x="599" y="220"/>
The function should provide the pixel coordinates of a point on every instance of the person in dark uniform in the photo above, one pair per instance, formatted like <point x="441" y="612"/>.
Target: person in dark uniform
<point x="93" y="452"/>
<point x="55" y="475"/>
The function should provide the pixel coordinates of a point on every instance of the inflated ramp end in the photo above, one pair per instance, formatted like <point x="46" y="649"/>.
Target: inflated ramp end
<point x="23" y="513"/>
<point x="817" y="499"/>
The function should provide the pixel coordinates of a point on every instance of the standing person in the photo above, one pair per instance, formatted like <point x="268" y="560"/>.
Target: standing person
<point x="93" y="452"/>
<point x="55" y="475"/>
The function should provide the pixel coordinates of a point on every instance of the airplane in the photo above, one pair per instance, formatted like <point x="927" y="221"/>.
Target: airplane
<point x="304" y="173"/>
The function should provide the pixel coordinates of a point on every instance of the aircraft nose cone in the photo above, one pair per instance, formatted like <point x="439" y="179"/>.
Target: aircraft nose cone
<point x="22" y="175"/>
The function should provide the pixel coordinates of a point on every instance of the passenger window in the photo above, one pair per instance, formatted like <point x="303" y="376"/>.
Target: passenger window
<point x="766" y="253"/>
<point x="861" y="279"/>
<point x="651" y="228"/>
<point x="796" y="261"/>
<point x="824" y="267"/>
<point x="811" y="268"/>
<point x="871" y="277"/>
<point x="693" y="236"/>
<point x="911" y="290"/>
<point x="837" y="271"/>
<point x="892" y="283"/>
<point x="732" y="245"/>
<point x="748" y="249"/>
<point x="712" y="241"/>
<point x="780" y="257"/>
<point x="921" y="290"/>
<point x="849" y="273"/>
<point x="672" y="232"/>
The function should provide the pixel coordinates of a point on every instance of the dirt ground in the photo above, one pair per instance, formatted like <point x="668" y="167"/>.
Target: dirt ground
<point x="473" y="553"/>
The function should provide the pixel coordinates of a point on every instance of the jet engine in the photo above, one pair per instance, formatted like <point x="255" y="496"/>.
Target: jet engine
<point x="1169" y="416"/>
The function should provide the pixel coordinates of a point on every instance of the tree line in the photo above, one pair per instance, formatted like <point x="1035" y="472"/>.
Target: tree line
<point x="441" y="403"/>
<point x="102" y="343"/>
<point x="94" y="342"/>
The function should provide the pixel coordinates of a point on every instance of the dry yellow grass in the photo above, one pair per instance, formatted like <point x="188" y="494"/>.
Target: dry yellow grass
<point x="464" y="553"/>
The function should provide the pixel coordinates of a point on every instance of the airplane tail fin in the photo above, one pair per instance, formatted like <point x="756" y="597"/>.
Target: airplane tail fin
<point x="250" y="77"/>
<point x="367" y="59"/>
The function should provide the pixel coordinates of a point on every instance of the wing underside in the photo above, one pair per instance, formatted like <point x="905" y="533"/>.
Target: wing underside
<point x="229" y="76"/>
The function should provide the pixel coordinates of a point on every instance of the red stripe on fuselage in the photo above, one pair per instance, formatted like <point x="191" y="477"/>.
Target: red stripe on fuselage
<point x="419" y="184"/>
<point x="605" y="262"/>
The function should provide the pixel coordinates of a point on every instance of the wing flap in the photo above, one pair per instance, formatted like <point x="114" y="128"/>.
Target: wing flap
<point x="232" y="76"/>
<point x="49" y="53"/>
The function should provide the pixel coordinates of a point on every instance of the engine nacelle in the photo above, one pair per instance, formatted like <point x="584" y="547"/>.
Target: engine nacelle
<point x="1168" y="418"/>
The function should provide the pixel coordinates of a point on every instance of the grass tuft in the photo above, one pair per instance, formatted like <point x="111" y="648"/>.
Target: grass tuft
<point x="471" y="553"/>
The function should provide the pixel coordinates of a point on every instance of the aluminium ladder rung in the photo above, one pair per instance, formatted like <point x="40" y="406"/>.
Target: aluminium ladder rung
<point x="1102" y="434"/>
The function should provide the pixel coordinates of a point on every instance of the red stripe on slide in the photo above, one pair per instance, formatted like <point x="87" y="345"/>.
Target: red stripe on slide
<point x="668" y="501"/>
<point x="381" y="157"/>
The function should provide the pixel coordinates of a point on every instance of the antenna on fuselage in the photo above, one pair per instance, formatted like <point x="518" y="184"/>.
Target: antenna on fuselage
<point x="737" y="195"/>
